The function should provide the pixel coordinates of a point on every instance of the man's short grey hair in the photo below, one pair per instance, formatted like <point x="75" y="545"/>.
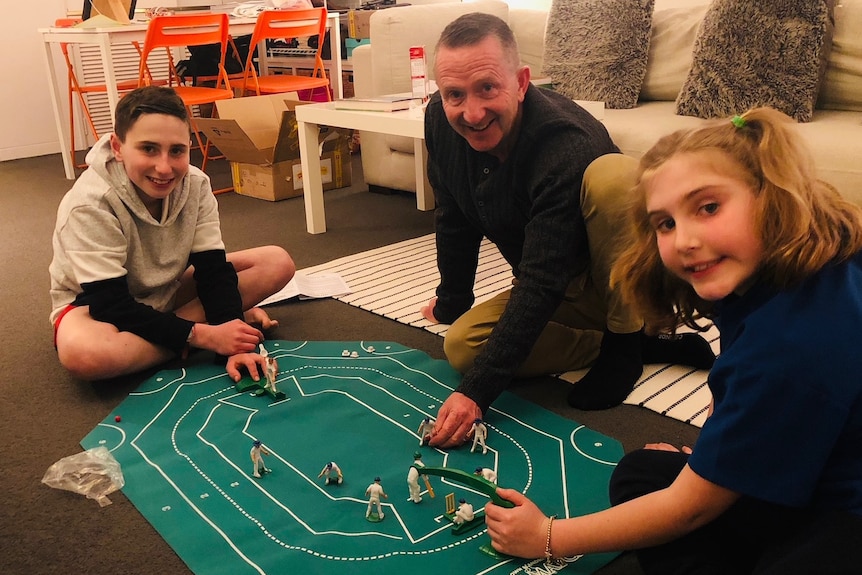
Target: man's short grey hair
<point x="471" y="29"/>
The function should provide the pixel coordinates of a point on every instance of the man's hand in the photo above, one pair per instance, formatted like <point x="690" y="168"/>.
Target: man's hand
<point x="253" y="362"/>
<point x="428" y="311"/>
<point x="454" y="421"/>
<point x="228" y="339"/>
<point x="520" y="530"/>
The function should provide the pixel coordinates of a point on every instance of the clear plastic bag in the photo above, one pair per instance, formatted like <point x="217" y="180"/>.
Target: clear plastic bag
<point x="94" y="473"/>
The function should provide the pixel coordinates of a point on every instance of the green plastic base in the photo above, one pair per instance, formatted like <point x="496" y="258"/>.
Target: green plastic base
<point x="257" y="389"/>
<point x="491" y="552"/>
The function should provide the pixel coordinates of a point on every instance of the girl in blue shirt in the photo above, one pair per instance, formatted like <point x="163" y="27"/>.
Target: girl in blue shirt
<point x="731" y="223"/>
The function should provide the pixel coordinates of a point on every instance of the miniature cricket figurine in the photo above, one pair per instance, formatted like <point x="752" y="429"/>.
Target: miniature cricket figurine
<point x="271" y="369"/>
<point x="480" y="433"/>
<point x="426" y="429"/>
<point x="413" y="478"/>
<point x="486" y="473"/>
<point x="257" y="453"/>
<point x="464" y="514"/>
<point x="332" y="473"/>
<point x="374" y="493"/>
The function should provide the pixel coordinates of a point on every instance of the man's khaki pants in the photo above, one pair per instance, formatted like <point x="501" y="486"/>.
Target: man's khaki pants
<point x="572" y="337"/>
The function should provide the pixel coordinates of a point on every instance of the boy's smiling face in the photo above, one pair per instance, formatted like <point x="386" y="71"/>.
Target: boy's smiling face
<point x="155" y="155"/>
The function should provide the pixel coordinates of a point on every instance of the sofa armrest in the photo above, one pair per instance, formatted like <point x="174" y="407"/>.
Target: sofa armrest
<point x="363" y="84"/>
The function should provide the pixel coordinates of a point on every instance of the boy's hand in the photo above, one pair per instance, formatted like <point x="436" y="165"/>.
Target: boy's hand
<point x="228" y="339"/>
<point x="253" y="362"/>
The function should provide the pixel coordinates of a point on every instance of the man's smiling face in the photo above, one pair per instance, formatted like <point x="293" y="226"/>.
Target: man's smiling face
<point x="482" y="91"/>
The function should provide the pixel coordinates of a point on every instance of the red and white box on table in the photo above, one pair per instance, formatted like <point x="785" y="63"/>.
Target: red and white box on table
<point x="419" y="74"/>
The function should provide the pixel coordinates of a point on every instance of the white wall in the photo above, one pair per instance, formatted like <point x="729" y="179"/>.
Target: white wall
<point x="26" y="113"/>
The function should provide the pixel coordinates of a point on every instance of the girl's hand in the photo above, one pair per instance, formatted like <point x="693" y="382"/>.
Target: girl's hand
<point x="253" y="362"/>
<point x="667" y="447"/>
<point x="520" y="531"/>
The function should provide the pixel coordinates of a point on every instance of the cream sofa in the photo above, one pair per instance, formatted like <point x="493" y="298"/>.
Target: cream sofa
<point x="834" y="135"/>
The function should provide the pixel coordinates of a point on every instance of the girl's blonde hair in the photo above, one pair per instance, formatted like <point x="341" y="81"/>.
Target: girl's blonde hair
<point x="804" y="223"/>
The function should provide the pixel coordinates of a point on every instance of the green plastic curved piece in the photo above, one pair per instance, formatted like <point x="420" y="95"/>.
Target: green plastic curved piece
<point x="478" y="483"/>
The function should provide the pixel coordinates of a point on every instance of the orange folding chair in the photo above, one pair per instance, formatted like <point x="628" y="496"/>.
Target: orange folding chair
<point x="286" y="24"/>
<point x="183" y="30"/>
<point x="75" y="88"/>
<point x="232" y="59"/>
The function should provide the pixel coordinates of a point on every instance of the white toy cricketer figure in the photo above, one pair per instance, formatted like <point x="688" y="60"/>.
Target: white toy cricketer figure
<point x="486" y="473"/>
<point x="271" y="369"/>
<point x="426" y="428"/>
<point x="332" y="473"/>
<point x="374" y="493"/>
<point x="464" y="513"/>
<point x="257" y="453"/>
<point x="413" y="478"/>
<point x="480" y="432"/>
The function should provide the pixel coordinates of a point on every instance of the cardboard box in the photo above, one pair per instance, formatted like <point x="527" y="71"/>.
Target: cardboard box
<point x="258" y="134"/>
<point x="359" y="24"/>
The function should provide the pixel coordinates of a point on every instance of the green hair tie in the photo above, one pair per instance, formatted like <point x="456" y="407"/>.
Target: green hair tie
<point x="738" y="121"/>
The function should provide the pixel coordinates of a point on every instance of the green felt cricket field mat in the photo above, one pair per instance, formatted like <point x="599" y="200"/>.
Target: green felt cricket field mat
<point x="395" y="281"/>
<point x="183" y="440"/>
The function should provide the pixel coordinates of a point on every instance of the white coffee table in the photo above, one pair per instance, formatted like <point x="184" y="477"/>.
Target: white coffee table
<point x="309" y="118"/>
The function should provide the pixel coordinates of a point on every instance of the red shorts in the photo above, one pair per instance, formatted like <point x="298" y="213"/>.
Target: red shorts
<point x="57" y="321"/>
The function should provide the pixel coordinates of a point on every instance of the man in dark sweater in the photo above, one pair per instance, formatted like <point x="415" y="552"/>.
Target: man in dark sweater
<point x="507" y="161"/>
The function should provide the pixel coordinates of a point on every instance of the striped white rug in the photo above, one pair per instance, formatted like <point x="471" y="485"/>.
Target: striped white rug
<point x="395" y="281"/>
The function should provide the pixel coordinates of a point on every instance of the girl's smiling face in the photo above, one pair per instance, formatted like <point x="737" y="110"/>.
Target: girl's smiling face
<point x="704" y="221"/>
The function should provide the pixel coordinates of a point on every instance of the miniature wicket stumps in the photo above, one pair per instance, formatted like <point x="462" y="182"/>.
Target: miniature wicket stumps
<point x="450" y="504"/>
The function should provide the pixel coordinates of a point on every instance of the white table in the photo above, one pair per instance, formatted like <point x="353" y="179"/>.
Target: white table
<point x="309" y="118"/>
<point x="136" y="32"/>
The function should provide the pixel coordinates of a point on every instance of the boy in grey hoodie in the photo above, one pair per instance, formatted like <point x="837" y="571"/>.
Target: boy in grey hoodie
<point x="140" y="271"/>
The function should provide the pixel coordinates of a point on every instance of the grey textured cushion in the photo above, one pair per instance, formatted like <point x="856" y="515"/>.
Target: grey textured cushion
<point x="597" y="49"/>
<point x="758" y="53"/>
